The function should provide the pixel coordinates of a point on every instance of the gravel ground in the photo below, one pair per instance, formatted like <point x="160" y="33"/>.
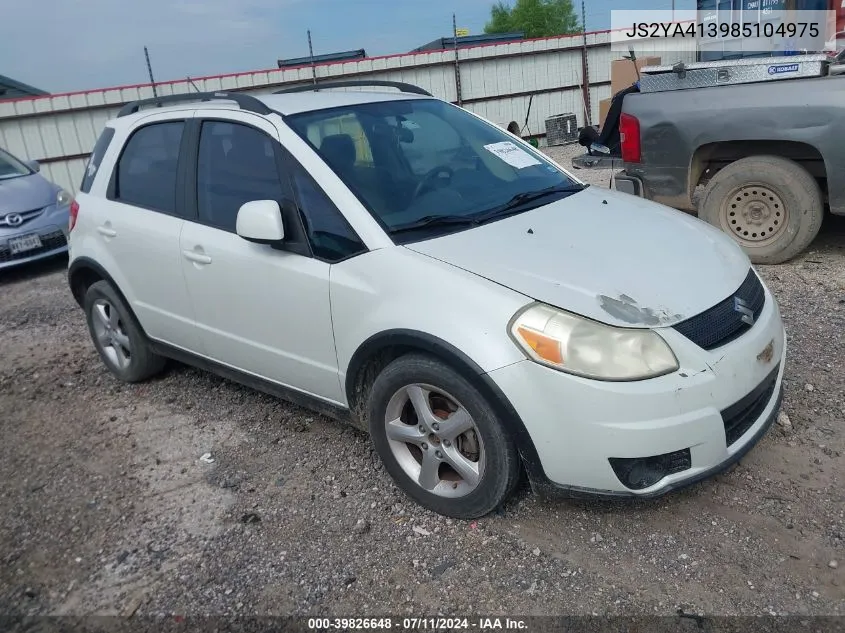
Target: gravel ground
<point x="107" y="508"/>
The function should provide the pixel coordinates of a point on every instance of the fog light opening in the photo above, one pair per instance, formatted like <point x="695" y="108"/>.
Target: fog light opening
<point x="643" y="472"/>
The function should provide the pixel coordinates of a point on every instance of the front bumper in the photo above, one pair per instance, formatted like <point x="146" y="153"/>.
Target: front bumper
<point x="578" y="425"/>
<point x="51" y="228"/>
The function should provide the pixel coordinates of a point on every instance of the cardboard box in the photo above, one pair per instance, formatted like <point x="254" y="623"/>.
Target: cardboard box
<point x="604" y="106"/>
<point x="623" y="74"/>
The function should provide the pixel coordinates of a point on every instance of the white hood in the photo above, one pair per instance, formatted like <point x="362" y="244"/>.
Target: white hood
<point x="605" y="255"/>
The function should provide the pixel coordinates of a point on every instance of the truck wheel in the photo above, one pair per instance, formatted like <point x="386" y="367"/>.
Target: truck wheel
<point x="770" y="205"/>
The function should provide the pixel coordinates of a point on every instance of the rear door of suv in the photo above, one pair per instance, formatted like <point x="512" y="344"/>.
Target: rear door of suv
<point x="132" y="219"/>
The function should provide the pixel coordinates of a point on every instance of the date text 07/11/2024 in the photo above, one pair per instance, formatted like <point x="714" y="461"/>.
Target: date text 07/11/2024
<point x="418" y="624"/>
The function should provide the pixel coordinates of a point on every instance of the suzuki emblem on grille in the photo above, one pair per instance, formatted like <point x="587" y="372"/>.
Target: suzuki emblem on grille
<point x="746" y="312"/>
<point x="14" y="219"/>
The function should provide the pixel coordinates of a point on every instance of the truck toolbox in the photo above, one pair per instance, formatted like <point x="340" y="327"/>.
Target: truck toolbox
<point x="735" y="71"/>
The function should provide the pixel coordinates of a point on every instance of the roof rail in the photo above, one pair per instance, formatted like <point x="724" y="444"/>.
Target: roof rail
<point x="244" y="101"/>
<point x="403" y="87"/>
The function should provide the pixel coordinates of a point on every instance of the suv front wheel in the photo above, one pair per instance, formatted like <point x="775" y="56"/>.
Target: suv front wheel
<point x="117" y="335"/>
<point x="439" y="439"/>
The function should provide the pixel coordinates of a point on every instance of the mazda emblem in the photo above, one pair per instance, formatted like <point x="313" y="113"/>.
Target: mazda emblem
<point x="743" y="308"/>
<point x="14" y="219"/>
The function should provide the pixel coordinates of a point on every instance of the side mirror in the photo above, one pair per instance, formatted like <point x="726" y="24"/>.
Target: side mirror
<point x="33" y="165"/>
<point x="260" y="221"/>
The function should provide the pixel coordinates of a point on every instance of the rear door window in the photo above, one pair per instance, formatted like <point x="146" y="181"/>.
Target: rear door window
<point x="96" y="158"/>
<point x="146" y="172"/>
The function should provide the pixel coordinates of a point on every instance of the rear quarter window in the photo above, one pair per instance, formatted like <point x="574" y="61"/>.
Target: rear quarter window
<point x="146" y="172"/>
<point x="95" y="158"/>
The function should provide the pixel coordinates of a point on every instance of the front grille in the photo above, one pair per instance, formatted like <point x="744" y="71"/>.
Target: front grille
<point x="678" y="461"/>
<point x="723" y="322"/>
<point x="26" y="216"/>
<point x="49" y="242"/>
<point x="741" y="416"/>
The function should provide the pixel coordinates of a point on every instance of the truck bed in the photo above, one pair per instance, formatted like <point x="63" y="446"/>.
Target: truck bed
<point x="684" y="131"/>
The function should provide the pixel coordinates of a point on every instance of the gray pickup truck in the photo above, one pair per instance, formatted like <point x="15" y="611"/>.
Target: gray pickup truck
<point x="770" y="156"/>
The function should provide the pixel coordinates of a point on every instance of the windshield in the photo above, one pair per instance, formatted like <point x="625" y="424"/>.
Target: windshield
<point x="11" y="167"/>
<point x="429" y="166"/>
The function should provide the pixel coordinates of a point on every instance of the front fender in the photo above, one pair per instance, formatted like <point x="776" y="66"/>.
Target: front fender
<point x="397" y="297"/>
<point x="396" y="289"/>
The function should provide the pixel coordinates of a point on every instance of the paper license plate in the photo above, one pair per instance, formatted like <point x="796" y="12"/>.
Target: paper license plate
<point x="24" y="243"/>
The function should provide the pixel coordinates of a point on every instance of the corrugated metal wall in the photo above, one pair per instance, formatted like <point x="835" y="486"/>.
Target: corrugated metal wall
<point x="497" y="82"/>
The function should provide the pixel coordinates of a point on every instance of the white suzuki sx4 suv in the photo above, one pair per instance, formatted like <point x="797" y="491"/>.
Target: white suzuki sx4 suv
<point x="399" y="262"/>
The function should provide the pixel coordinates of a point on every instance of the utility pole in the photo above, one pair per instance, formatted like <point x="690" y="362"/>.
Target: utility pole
<point x="585" y="68"/>
<point x="457" y="63"/>
<point x="311" y="55"/>
<point x="150" y="71"/>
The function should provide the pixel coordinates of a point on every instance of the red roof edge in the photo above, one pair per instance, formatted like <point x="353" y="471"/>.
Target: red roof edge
<point x="333" y="63"/>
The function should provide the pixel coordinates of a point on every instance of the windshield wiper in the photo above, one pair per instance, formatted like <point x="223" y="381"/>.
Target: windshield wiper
<point x="435" y="220"/>
<point x="514" y="205"/>
<point x="519" y="201"/>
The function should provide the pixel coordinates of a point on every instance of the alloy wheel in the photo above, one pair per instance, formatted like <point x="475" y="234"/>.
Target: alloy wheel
<point x="435" y="440"/>
<point x="110" y="333"/>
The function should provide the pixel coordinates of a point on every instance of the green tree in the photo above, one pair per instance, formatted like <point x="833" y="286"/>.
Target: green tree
<point x="535" y="18"/>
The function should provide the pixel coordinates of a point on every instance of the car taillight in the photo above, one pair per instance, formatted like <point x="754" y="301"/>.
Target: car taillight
<point x="74" y="211"/>
<point x="629" y="135"/>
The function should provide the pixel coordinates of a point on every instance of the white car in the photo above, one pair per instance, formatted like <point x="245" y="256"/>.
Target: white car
<point x="394" y="260"/>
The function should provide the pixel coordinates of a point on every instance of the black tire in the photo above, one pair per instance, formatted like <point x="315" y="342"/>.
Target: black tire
<point x="141" y="363"/>
<point x="776" y="186"/>
<point x="501" y="460"/>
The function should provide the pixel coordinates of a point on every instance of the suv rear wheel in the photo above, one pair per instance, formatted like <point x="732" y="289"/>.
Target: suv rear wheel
<point x="117" y="335"/>
<point x="439" y="438"/>
<point x="770" y="205"/>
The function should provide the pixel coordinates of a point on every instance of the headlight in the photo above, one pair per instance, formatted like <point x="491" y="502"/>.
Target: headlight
<point x="63" y="198"/>
<point x="586" y="348"/>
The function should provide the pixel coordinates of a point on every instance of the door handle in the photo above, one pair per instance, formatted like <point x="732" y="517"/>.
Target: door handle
<point x="197" y="258"/>
<point x="104" y="230"/>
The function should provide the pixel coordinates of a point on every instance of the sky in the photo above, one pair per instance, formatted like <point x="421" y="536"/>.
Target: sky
<point x="68" y="45"/>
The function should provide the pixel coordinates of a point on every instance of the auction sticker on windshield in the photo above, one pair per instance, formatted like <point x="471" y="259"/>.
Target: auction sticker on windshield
<point x="512" y="154"/>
